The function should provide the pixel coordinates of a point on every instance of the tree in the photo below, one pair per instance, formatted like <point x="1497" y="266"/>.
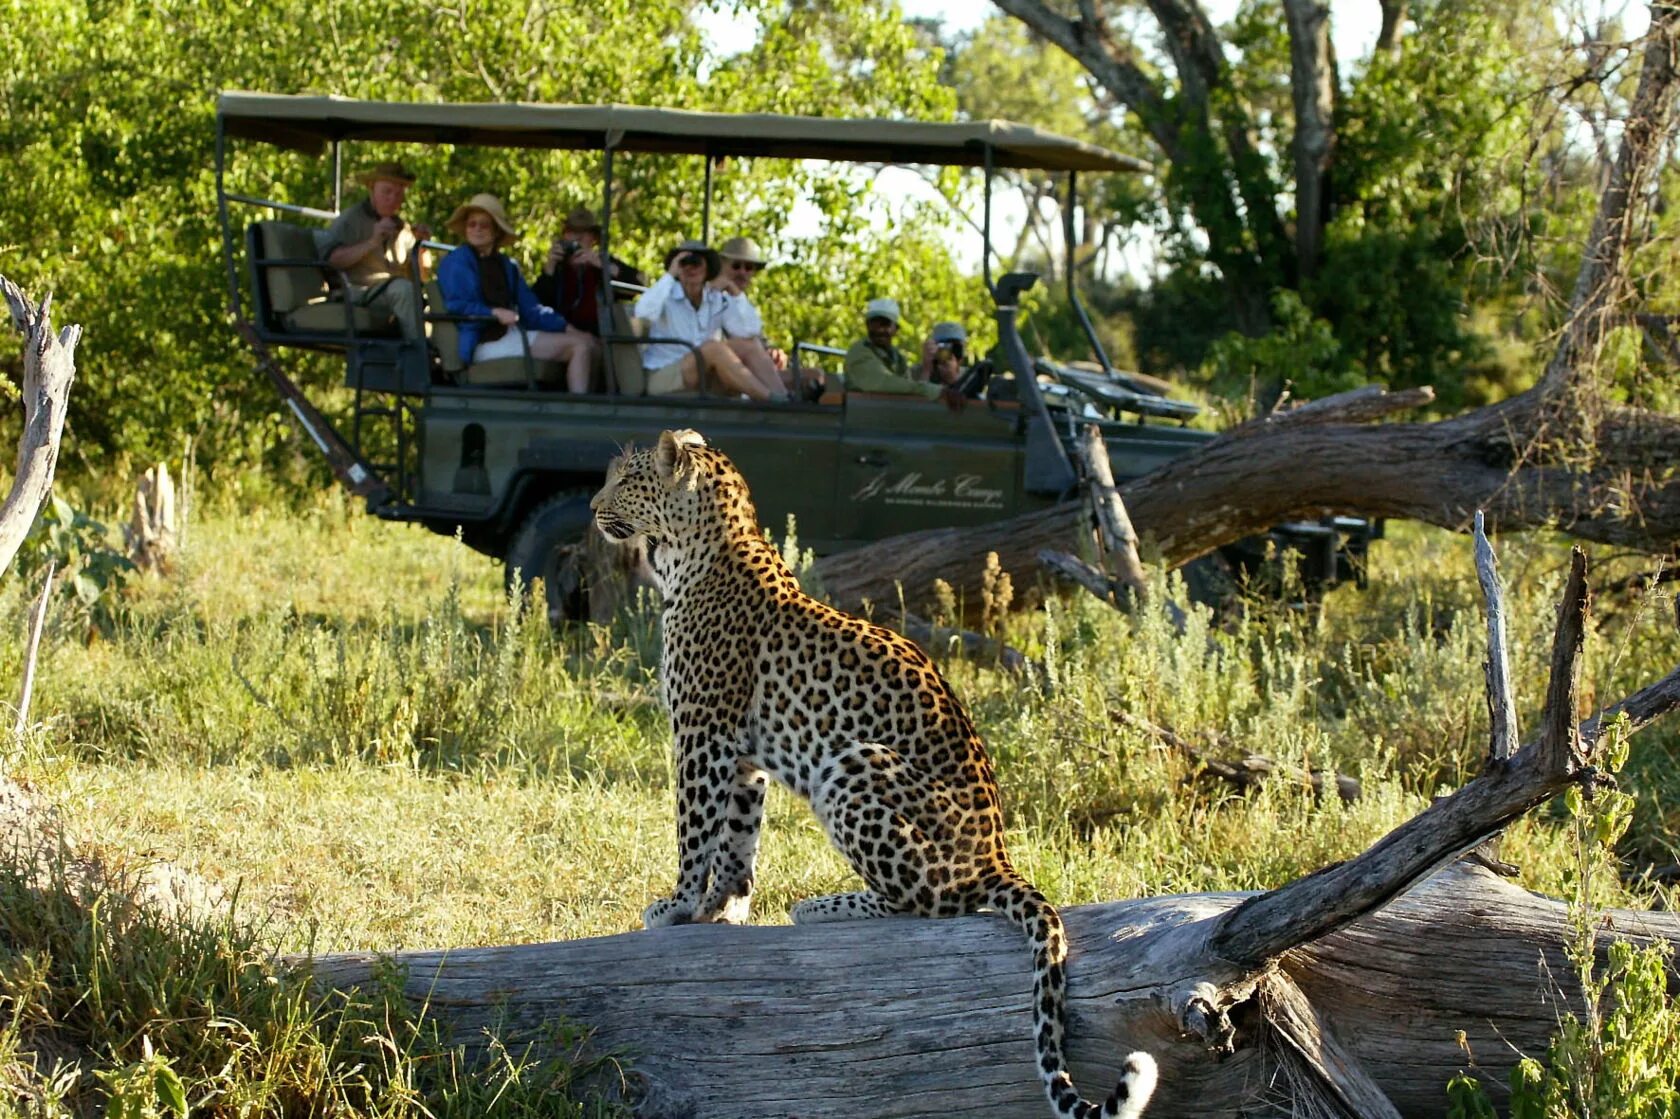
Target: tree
<point x="1566" y="454"/>
<point x="1365" y="192"/>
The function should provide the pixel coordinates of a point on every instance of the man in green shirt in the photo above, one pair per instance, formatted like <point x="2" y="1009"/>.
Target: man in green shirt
<point x="374" y="247"/>
<point x="874" y="364"/>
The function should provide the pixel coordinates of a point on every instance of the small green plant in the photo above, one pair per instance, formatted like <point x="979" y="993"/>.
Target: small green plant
<point x="89" y="570"/>
<point x="1621" y="1055"/>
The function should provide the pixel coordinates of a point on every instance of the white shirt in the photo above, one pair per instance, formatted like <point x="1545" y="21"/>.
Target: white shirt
<point x="745" y="321"/>
<point x="669" y="314"/>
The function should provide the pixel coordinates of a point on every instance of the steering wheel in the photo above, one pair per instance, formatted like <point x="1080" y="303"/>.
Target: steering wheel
<point x="972" y="383"/>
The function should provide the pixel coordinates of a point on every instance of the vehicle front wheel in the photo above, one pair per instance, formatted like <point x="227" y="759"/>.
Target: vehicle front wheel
<point x="551" y="545"/>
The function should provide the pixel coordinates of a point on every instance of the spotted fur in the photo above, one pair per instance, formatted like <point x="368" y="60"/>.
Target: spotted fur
<point x="763" y="680"/>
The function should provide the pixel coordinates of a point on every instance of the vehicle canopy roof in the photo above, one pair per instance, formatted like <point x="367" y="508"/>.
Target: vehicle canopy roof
<point x="309" y="123"/>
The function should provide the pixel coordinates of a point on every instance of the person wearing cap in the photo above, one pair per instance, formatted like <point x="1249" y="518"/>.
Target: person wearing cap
<point x="944" y="352"/>
<point x="742" y="262"/>
<point x="684" y="306"/>
<point x="874" y="364"/>
<point x="477" y="279"/>
<point x="572" y="276"/>
<point x="375" y="248"/>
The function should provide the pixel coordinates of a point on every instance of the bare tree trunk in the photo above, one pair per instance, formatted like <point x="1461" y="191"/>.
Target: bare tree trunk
<point x="920" y="1017"/>
<point x="1393" y="19"/>
<point x="49" y="366"/>
<point x="1312" y="84"/>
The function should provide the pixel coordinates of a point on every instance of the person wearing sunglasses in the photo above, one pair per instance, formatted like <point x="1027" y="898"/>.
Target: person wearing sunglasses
<point x="684" y="306"/>
<point x="744" y="328"/>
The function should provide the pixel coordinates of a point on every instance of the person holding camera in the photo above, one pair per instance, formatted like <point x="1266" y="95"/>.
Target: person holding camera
<point x="573" y="272"/>
<point x="684" y="306"/>
<point x="375" y="248"/>
<point x="477" y="279"/>
<point x="944" y="353"/>
<point x="874" y="364"/>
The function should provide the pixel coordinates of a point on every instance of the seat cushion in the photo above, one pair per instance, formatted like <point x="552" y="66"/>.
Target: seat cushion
<point x="446" y="336"/>
<point x="509" y="372"/>
<point x="293" y="286"/>
<point x="326" y="316"/>
<point x="624" y="359"/>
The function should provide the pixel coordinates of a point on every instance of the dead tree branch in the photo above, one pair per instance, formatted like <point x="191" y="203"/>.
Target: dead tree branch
<point x="49" y="367"/>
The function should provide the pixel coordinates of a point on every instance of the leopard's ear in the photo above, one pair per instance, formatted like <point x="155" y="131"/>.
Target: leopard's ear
<point x="674" y="459"/>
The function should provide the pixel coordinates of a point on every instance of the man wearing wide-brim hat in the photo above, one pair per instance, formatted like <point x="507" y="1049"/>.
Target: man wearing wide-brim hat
<point x="572" y="277"/>
<point x="374" y="247"/>
<point x="686" y="316"/>
<point x="743" y="260"/>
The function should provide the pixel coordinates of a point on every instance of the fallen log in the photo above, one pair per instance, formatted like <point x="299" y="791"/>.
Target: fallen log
<point x="915" y="1017"/>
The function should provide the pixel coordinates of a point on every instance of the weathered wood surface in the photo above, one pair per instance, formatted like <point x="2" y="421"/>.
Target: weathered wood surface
<point x="49" y="368"/>
<point x="915" y="1017"/>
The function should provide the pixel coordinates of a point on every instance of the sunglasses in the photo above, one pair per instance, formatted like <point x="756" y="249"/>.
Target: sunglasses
<point x="744" y="266"/>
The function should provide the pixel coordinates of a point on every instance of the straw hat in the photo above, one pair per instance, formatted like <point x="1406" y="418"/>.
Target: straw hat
<point x="742" y="248"/>
<point x="583" y="220"/>
<point x="714" y="263"/>
<point x="488" y="204"/>
<point x="389" y="169"/>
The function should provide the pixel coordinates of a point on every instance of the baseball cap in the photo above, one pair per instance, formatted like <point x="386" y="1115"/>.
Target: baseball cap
<point x="949" y="332"/>
<point x="882" y="308"/>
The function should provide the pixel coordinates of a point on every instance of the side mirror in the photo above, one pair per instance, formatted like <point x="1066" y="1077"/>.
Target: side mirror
<point x="1011" y="285"/>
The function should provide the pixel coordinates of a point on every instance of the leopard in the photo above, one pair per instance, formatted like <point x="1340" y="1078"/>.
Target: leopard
<point x="762" y="681"/>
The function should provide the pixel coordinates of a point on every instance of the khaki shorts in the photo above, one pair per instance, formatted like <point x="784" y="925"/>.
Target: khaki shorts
<point x="667" y="379"/>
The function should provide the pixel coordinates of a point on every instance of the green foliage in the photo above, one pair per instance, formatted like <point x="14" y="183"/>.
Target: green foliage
<point x="88" y="570"/>
<point x="1300" y="353"/>
<point x="108" y="125"/>
<point x="106" y="1002"/>
<point x="1620" y="1055"/>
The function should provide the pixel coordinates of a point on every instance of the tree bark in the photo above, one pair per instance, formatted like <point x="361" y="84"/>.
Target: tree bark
<point x="916" y="1017"/>
<point x="1313" y="87"/>
<point x="49" y="367"/>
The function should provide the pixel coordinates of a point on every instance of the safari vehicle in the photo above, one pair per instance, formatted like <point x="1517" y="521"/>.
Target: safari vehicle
<point x="510" y="467"/>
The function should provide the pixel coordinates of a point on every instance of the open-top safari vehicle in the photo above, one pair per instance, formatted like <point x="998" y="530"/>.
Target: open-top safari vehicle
<point x="484" y="452"/>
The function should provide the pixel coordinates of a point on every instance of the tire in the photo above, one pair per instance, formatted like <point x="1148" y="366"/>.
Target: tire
<point x="550" y="546"/>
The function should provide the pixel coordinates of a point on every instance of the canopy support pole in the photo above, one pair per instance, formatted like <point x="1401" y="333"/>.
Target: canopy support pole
<point x="706" y="206"/>
<point x="1072" y="290"/>
<point x="222" y="212"/>
<point x="338" y="178"/>
<point x="986" y="226"/>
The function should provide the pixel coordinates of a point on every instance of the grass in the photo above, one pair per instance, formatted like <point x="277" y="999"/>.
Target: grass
<point x="340" y="721"/>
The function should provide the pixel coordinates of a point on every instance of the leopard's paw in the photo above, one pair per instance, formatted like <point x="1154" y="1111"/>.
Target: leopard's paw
<point x="735" y="911"/>
<point x="666" y="911"/>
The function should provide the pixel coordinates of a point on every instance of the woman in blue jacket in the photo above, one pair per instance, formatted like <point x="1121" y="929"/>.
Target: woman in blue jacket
<point x="478" y="280"/>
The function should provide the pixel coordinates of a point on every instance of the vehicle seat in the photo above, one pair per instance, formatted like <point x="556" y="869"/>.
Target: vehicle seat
<point x="501" y="372"/>
<point x="294" y="297"/>
<point x="623" y="360"/>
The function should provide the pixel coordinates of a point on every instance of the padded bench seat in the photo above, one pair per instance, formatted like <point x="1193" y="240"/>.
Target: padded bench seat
<point x="293" y="296"/>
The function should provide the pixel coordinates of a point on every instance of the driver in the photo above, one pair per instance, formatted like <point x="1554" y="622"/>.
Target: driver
<point x="874" y="364"/>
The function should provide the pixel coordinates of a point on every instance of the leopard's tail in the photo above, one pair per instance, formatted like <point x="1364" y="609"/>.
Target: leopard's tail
<point x="1036" y="917"/>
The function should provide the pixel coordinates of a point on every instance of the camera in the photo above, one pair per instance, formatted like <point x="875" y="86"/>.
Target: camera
<point x="691" y="258"/>
<point x="952" y="350"/>
<point x="568" y="246"/>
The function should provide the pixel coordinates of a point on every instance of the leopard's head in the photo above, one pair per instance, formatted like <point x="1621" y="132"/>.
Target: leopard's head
<point x="671" y="493"/>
